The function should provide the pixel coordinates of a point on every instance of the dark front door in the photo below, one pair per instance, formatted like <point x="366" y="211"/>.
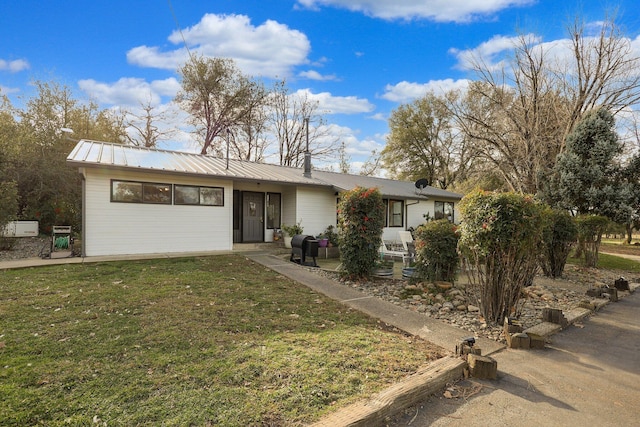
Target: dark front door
<point x="252" y="217"/>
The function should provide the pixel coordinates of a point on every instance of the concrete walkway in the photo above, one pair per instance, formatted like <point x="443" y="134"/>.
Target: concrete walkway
<point x="588" y="376"/>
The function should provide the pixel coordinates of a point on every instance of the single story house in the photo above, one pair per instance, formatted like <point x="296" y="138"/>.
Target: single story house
<point x="141" y="200"/>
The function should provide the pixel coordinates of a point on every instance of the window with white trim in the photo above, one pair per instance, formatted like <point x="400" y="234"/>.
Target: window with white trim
<point x="444" y="210"/>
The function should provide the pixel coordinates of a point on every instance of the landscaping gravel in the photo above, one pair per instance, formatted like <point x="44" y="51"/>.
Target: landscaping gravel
<point x="26" y="247"/>
<point x="454" y="307"/>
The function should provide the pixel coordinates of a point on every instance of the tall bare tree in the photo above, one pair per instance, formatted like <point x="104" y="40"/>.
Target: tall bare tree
<point x="519" y="115"/>
<point x="217" y="97"/>
<point x="604" y="73"/>
<point x="249" y="139"/>
<point x="292" y="116"/>
<point x="146" y="132"/>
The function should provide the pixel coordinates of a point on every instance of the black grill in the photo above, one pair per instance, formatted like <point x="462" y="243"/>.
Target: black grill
<point x="303" y="247"/>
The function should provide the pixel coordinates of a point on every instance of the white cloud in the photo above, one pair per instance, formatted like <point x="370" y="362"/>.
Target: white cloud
<point x="7" y="90"/>
<point x="129" y="91"/>
<point x="14" y="66"/>
<point x="314" y="75"/>
<point x="379" y="116"/>
<point x="330" y="104"/>
<point x="270" y="49"/>
<point x="408" y="91"/>
<point x="358" y="149"/>
<point x="436" y="10"/>
<point x="490" y="53"/>
<point x="495" y="53"/>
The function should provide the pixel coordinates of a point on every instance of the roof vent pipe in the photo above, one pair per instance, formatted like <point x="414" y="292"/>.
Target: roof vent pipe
<point x="307" y="154"/>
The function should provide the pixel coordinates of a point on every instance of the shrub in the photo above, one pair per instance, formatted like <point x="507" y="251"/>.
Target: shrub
<point x="559" y="236"/>
<point x="500" y="238"/>
<point x="331" y="234"/>
<point x="293" y="230"/>
<point x="437" y="250"/>
<point x="590" y="230"/>
<point x="361" y="219"/>
<point x="8" y="210"/>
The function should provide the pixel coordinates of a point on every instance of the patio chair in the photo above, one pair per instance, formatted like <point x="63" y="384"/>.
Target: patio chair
<point x="406" y="238"/>
<point x="387" y="251"/>
<point x="407" y="243"/>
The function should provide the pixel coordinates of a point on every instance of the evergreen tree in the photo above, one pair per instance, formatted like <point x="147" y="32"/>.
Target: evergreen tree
<point x="588" y="176"/>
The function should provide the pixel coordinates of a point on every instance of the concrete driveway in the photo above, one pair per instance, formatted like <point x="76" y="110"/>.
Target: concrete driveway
<point x="588" y="376"/>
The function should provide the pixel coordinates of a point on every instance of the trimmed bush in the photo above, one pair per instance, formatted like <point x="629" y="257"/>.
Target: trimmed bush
<point x="437" y="250"/>
<point x="559" y="237"/>
<point x="500" y="238"/>
<point x="361" y="219"/>
<point x="590" y="230"/>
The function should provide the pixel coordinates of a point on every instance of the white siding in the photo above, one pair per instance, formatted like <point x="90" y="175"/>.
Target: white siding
<point x="316" y="209"/>
<point x="416" y="209"/>
<point x="137" y="228"/>
<point x="289" y="216"/>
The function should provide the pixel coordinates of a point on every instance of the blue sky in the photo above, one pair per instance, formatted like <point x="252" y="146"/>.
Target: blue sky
<point x="358" y="58"/>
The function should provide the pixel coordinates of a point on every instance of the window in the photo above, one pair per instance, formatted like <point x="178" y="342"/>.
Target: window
<point x="195" y="195"/>
<point x="273" y="210"/>
<point x="396" y="213"/>
<point x="140" y="192"/>
<point x="444" y="210"/>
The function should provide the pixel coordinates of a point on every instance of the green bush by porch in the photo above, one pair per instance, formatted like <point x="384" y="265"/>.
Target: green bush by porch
<point x="361" y="219"/>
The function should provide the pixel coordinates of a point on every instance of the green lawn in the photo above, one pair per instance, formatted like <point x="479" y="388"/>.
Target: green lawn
<point x="192" y="341"/>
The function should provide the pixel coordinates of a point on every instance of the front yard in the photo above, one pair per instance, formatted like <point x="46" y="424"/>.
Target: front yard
<point x="192" y="341"/>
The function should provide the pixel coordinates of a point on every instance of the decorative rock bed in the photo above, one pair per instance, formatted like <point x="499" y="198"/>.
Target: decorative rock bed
<point x="449" y="303"/>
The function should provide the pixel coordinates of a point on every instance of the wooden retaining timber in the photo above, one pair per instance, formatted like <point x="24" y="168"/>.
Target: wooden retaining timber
<point x="415" y="388"/>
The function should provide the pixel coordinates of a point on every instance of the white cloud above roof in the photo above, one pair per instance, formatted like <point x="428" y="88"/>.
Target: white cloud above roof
<point x="314" y="75"/>
<point x="14" y="66"/>
<point x="270" y="49"/>
<point x="129" y="91"/>
<point x="408" y="91"/>
<point x="491" y="52"/>
<point x="436" y="10"/>
<point x="495" y="53"/>
<point x="330" y="104"/>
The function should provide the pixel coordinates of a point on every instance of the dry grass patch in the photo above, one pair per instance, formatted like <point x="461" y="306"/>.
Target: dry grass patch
<point x="192" y="341"/>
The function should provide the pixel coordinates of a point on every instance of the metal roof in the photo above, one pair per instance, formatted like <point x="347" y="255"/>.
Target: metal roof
<point x="104" y="154"/>
<point x="388" y="187"/>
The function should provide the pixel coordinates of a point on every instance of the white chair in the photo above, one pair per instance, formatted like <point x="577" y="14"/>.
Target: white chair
<point x="386" y="251"/>
<point x="406" y="238"/>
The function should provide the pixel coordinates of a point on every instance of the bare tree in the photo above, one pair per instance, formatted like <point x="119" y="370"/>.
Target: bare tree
<point x="291" y="115"/>
<point x="344" y="165"/>
<point x="519" y="116"/>
<point x="146" y="132"/>
<point x="605" y="71"/>
<point x="372" y="165"/>
<point x="218" y="97"/>
<point x="249" y="139"/>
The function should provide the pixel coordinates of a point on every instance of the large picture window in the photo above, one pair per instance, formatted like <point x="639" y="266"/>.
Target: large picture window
<point x="444" y="210"/>
<point x="196" y="195"/>
<point x="273" y="210"/>
<point x="140" y="192"/>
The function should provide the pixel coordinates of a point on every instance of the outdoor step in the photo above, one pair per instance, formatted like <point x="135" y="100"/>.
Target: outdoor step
<point x="544" y="329"/>
<point x="576" y="314"/>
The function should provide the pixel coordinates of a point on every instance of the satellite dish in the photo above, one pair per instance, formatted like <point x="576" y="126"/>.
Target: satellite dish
<point x="421" y="183"/>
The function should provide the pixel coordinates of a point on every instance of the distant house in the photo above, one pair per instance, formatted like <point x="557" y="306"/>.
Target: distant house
<point x="140" y="200"/>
